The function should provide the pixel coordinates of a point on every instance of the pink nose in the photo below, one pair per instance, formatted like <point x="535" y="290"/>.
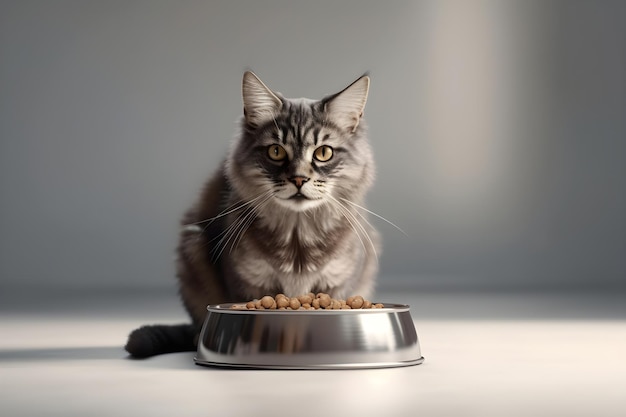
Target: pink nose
<point x="298" y="181"/>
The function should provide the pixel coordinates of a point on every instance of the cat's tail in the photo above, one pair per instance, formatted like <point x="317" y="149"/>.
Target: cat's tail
<point x="157" y="339"/>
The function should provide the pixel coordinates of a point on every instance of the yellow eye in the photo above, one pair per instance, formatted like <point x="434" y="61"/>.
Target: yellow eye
<point x="276" y="152"/>
<point x="323" y="153"/>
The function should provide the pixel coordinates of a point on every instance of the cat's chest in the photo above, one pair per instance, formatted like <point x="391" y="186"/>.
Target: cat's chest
<point x="261" y="275"/>
<point x="288" y="252"/>
<point x="291" y="263"/>
<point x="294" y="243"/>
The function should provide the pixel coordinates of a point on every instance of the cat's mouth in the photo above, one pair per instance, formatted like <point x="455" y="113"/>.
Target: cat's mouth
<point x="299" y="201"/>
<point x="299" y="197"/>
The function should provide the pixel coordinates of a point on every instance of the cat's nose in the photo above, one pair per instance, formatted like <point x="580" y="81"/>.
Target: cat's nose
<point x="298" y="181"/>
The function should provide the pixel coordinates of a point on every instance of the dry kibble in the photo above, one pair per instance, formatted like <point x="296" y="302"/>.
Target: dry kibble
<point x="305" y="299"/>
<point x="294" y="303"/>
<point x="308" y="301"/>
<point x="268" y="301"/>
<point x="282" y="302"/>
<point x="357" y="302"/>
<point x="325" y="300"/>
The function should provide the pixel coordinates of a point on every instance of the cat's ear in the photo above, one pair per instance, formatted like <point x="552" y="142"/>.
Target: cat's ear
<point x="260" y="105"/>
<point x="345" y="108"/>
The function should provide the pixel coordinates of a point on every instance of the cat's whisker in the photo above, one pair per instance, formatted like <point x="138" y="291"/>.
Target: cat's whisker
<point x="224" y="232"/>
<point x="242" y="222"/>
<point x="251" y="218"/>
<point x="231" y="209"/>
<point x="355" y="224"/>
<point x="230" y="231"/>
<point x="373" y="214"/>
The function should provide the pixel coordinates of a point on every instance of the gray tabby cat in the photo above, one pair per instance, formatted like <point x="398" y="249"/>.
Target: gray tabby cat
<point x="283" y="213"/>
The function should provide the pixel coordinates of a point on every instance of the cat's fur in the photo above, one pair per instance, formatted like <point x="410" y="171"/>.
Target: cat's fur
<point x="292" y="225"/>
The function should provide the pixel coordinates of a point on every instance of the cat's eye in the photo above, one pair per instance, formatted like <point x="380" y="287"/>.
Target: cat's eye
<point x="276" y="152"/>
<point x="323" y="153"/>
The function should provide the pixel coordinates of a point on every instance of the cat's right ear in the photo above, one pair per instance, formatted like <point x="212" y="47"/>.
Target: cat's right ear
<point x="260" y="105"/>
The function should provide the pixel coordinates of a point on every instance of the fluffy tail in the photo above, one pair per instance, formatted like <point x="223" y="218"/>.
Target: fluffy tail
<point x="153" y="340"/>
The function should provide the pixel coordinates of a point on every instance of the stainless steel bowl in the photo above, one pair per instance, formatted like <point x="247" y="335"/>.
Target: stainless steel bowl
<point x="320" y="339"/>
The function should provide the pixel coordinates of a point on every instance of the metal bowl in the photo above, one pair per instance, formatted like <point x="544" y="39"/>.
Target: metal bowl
<point x="307" y="339"/>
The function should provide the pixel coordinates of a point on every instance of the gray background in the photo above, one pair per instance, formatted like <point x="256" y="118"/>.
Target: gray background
<point x="498" y="126"/>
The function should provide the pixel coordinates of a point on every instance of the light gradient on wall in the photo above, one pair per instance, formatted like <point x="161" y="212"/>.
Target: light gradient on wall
<point x="498" y="128"/>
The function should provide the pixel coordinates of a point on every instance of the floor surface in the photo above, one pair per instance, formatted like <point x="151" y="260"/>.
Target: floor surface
<point x="523" y="354"/>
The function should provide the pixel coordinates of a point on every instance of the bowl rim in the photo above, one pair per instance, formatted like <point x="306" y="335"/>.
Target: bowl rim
<point x="225" y="308"/>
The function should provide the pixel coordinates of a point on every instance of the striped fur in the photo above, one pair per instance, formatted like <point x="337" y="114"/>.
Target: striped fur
<point x="294" y="225"/>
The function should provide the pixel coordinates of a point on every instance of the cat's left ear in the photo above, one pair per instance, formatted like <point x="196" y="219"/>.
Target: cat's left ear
<point x="345" y="108"/>
<point x="260" y="104"/>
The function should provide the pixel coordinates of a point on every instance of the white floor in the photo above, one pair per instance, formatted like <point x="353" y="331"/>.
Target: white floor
<point x="486" y="355"/>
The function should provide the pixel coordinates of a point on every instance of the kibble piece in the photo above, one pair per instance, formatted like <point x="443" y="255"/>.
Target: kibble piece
<point x="282" y="302"/>
<point x="357" y="302"/>
<point x="315" y="303"/>
<point x="379" y="305"/>
<point x="268" y="302"/>
<point x="305" y="299"/>
<point x="294" y="303"/>
<point x="325" y="300"/>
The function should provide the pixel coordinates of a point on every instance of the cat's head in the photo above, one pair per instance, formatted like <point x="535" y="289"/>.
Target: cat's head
<point x="302" y="153"/>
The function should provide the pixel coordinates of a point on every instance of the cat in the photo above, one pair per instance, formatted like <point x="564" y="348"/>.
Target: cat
<point x="283" y="213"/>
